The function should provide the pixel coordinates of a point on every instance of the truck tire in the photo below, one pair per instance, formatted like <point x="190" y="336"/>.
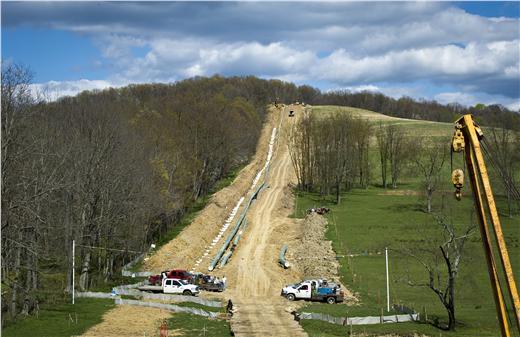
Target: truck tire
<point x="331" y="300"/>
<point x="187" y="293"/>
<point x="291" y="297"/>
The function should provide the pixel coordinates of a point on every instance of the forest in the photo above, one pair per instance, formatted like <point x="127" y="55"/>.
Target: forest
<point x="116" y="169"/>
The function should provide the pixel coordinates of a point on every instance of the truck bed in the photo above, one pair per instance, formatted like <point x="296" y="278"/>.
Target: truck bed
<point x="150" y="288"/>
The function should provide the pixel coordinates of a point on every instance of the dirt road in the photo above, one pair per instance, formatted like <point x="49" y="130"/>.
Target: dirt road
<point x="256" y="277"/>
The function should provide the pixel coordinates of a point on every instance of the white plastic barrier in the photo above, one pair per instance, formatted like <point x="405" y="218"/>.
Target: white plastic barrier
<point x="168" y="297"/>
<point x="91" y="294"/>
<point x="358" y="320"/>
<point x="169" y="307"/>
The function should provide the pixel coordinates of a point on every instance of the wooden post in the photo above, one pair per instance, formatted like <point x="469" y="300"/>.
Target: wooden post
<point x="381" y="317"/>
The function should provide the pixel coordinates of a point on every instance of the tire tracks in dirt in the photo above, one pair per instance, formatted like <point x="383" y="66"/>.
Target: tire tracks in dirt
<point x="258" y="279"/>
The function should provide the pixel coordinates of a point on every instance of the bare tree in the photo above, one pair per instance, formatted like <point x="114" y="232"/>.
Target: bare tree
<point x="383" y="146"/>
<point x="429" y="159"/>
<point x="442" y="264"/>
<point x="398" y="151"/>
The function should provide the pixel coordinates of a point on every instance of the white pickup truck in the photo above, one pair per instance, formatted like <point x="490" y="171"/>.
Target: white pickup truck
<point x="173" y="286"/>
<point x="314" y="290"/>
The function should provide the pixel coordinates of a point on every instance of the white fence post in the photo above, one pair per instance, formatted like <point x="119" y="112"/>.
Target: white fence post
<point x="73" y="265"/>
<point x="387" y="283"/>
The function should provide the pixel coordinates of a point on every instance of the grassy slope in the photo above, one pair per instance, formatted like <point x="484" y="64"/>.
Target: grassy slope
<point x="368" y="220"/>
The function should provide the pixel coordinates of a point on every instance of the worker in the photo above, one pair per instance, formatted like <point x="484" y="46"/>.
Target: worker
<point x="229" y="307"/>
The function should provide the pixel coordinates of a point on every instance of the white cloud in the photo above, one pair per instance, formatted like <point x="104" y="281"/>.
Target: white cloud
<point x="381" y="46"/>
<point x="53" y="90"/>
<point x="452" y="63"/>
<point x="173" y="59"/>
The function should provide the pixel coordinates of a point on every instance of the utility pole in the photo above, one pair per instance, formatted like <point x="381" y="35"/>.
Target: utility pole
<point x="73" y="265"/>
<point x="387" y="283"/>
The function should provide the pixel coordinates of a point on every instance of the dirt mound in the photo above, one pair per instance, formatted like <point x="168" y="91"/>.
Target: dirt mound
<point x="314" y="255"/>
<point x="129" y="321"/>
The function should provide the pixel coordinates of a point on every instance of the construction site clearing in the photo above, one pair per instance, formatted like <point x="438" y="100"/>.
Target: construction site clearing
<point x="252" y="280"/>
<point x="254" y="275"/>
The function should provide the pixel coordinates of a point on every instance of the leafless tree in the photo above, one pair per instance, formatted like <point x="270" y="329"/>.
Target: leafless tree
<point x="441" y="258"/>
<point x="429" y="159"/>
<point x="502" y="147"/>
<point x="383" y="145"/>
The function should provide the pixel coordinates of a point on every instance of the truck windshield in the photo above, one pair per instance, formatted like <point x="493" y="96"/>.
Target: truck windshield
<point x="183" y="282"/>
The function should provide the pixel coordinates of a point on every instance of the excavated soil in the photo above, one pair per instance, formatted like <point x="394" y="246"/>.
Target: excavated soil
<point x="190" y="245"/>
<point x="314" y="255"/>
<point x="130" y="321"/>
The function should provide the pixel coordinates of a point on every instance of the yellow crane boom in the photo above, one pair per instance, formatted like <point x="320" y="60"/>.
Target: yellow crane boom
<point x="467" y="137"/>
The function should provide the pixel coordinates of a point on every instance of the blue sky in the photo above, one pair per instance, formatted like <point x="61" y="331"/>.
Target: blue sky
<point x="464" y="52"/>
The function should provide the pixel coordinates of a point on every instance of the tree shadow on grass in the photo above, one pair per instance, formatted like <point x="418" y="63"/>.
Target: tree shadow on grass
<point x="413" y="207"/>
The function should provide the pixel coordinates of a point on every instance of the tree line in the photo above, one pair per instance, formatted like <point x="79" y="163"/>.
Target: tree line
<point x="495" y="115"/>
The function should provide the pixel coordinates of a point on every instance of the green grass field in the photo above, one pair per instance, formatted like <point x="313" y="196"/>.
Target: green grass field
<point x="369" y="220"/>
<point x="61" y="320"/>
<point x="192" y="325"/>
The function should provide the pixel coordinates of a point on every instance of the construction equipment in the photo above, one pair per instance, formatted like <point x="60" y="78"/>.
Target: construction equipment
<point x="209" y="283"/>
<point x="467" y="138"/>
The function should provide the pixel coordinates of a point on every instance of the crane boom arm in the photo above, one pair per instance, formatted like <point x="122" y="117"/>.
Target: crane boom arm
<point x="467" y="137"/>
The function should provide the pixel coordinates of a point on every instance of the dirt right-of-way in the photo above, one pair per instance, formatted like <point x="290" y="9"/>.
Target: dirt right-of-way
<point x="255" y="277"/>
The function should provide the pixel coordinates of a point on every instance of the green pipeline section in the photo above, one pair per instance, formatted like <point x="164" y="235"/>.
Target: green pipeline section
<point x="281" y="258"/>
<point x="221" y="255"/>
<point x="235" y="230"/>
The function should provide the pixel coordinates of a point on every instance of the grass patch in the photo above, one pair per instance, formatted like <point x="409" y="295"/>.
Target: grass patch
<point x="60" y="320"/>
<point x="369" y="220"/>
<point x="324" y="329"/>
<point x="192" y="325"/>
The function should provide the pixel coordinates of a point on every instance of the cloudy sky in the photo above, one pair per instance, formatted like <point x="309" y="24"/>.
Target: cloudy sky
<point x="453" y="52"/>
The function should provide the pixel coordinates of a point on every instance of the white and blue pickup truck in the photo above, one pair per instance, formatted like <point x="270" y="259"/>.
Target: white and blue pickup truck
<point x="314" y="290"/>
<point x="172" y="286"/>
